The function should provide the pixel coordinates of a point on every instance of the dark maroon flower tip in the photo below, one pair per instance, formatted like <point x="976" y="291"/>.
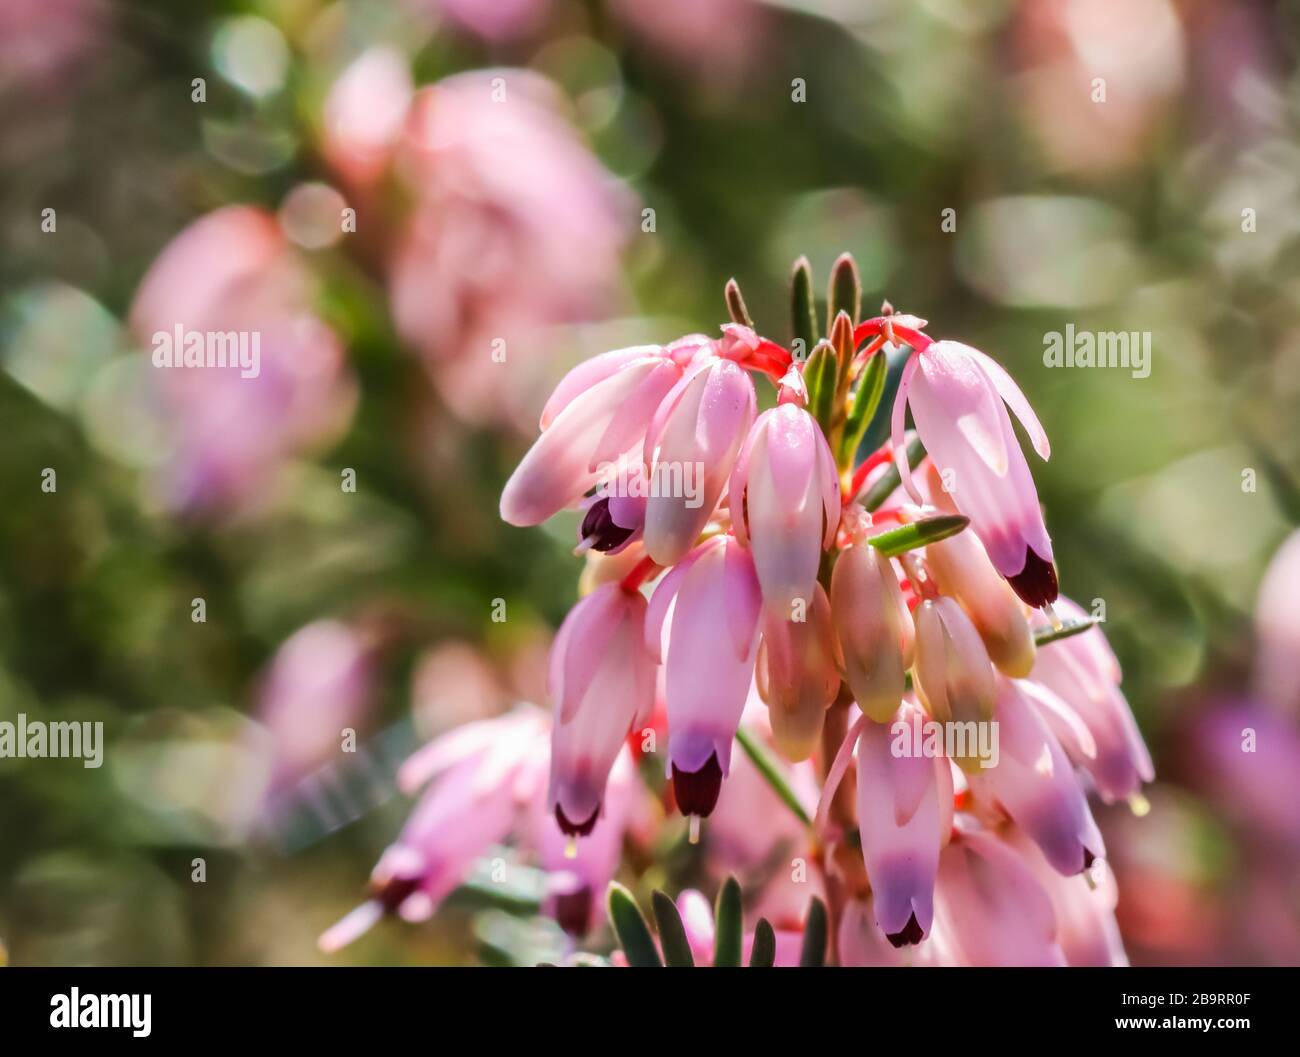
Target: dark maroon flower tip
<point x="1088" y="859"/>
<point x="575" y="829"/>
<point x="910" y="935"/>
<point x="599" y="526"/>
<point x="697" y="791"/>
<point x="572" y="911"/>
<point x="1036" y="582"/>
<point x="393" y="893"/>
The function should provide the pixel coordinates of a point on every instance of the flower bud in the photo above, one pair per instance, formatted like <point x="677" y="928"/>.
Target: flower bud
<point x="873" y="629"/>
<point x="953" y="675"/>
<point x="961" y="568"/>
<point x="797" y="675"/>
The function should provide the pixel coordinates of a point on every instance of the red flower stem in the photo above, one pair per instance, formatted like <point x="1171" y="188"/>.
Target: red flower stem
<point x="875" y="459"/>
<point x="642" y="571"/>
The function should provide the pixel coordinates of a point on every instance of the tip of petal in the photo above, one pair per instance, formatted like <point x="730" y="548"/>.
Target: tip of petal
<point x="576" y="829"/>
<point x="696" y="792"/>
<point x="910" y="934"/>
<point x="1036" y="583"/>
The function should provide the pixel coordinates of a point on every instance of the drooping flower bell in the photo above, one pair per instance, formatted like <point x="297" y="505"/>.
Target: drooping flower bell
<point x="785" y="499"/>
<point x="991" y="908"/>
<point x="873" y="628"/>
<point x="602" y="683"/>
<point x="1083" y="673"/>
<point x="596" y="417"/>
<point x="904" y="819"/>
<point x="480" y="779"/>
<point x="690" y="448"/>
<point x="1086" y="928"/>
<point x="957" y="396"/>
<point x="1034" y="783"/>
<point x="712" y="642"/>
<point x="578" y="872"/>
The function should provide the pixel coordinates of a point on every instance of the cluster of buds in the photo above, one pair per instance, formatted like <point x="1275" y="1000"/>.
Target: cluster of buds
<point x="880" y="600"/>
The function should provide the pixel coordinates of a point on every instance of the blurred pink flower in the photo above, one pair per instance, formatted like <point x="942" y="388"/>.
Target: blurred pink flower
<point x="990" y="907"/>
<point x="486" y="270"/>
<point x="486" y="783"/>
<point x="1248" y="756"/>
<point x="364" y="114"/>
<point x="233" y="271"/>
<point x="43" y="42"/>
<point x="1277" y="629"/>
<point x="493" y="20"/>
<point x="318" y="684"/>
<point x="701" y="932"/>
<point x="715" y="42"/>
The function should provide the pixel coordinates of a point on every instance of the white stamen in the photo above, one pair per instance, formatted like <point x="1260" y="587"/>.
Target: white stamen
<point x="354" y="924"/>
<point x="1050" y="610"/>
<point x="694" y="831"/>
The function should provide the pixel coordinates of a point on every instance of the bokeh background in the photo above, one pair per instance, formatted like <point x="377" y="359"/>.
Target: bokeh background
<point x="491" y="248"/>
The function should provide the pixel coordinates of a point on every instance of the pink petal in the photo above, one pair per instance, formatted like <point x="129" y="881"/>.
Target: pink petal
<point x="1015" y="398"/>
<point x="896" y="423"/>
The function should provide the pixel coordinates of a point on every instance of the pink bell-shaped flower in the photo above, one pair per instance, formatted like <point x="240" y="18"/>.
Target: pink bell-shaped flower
<point x="956" y="394"/>
<point x="602" y="682"/>
<point x="991" y="908"/>
<point x="712" y="640"/>
<point x="785" y="502"/>
<point x="1082" y="672"/>
<point x="1086" y="927"/>
<point x="691" y="446"/>
<point x="596" y="419"/>
<point x="905" y="819"/>
<point x="1033" y="782"/>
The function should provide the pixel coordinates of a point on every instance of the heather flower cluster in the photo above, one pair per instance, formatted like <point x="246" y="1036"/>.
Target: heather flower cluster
<point x="870" y="597"/>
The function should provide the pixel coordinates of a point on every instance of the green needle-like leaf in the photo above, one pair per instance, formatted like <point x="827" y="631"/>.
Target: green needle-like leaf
<point x="803" y="307"/>
<point x="763" y="954"/>
<point x="631" y="929"/>
<point x="918" y="534"/>
<point x="845" y="294"/>
<point x="736" y="304"/>
<point x="729" y="926"/>
<point x="672" y="933"/>
<point x="813" y="955"/>
<point x="821" y="376"/>
<point x="866" y="398"/>
<point x="771" y="772"/>
<point x="889" y="480"/>
<point x="1043" y="636"/>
